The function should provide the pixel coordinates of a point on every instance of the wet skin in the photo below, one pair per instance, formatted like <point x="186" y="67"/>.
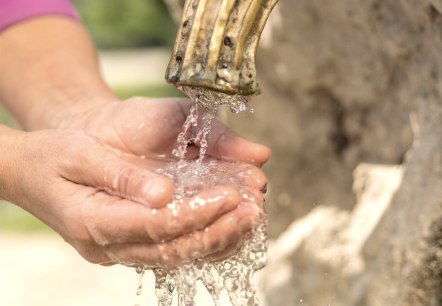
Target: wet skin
<point x="96" y="189"/>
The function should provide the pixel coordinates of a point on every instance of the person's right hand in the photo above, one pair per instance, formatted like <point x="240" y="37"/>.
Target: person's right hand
<point x="113" y="211"/>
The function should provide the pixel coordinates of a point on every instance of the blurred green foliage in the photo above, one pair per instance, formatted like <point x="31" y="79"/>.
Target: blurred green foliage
<point x="6" y="119"/>
<point x="16" y="219"/>
<point x="158" y="91"/>
<point x="127" y="23"/>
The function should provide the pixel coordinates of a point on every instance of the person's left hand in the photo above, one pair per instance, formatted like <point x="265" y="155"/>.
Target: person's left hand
<point x="149" y="127"/>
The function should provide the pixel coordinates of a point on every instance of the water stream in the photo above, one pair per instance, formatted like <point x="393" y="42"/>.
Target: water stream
<point x="234" y="274"/>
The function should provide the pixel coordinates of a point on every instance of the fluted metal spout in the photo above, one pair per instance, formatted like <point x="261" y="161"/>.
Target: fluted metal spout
<point x="216" y="45"/>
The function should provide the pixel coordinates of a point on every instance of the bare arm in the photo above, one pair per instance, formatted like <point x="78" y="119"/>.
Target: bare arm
<point x="49" y="71"/>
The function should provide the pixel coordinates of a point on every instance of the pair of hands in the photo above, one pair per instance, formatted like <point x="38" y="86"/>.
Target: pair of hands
<point x="91" y="181"/>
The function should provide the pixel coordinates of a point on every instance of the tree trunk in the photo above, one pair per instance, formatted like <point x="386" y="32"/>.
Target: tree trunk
<point x="340" y="82"/>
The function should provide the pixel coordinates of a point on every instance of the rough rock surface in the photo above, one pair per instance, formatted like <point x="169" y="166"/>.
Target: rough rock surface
<point x="387" y="251"/>
<point x="344" y="83"/>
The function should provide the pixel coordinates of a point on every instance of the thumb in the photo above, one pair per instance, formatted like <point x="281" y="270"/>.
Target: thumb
<point x="102" y="168"/>
<point x="225" y="144"/>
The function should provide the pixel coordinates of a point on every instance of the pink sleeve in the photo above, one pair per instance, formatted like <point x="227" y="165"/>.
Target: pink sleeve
<point x="12" y="11"/>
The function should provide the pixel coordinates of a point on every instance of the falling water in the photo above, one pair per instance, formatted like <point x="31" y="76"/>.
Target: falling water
<point x="234" y="274"/>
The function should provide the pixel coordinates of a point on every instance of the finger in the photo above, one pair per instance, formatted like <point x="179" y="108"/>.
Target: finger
<point x="242" y="174"/>
<point x="249" y="175"/>
<point x="253" y="177"/>
<point x="217" y="237"/>
<point x="103" y="168"/>
<point x="213" y="239"/>
<point x="112" y="220"/>
<point x="197" y="213"/>
<point x="251" y="195"/>
<point x="230" y="249"/>
<point x="224" y="144"/>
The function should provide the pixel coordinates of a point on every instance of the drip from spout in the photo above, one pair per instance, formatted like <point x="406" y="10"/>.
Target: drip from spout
<point x="216" y="45"/>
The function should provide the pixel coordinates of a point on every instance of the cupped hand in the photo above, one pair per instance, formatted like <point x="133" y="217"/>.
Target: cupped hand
<point x="110" y="207"/>
<point x="149" y="128"/>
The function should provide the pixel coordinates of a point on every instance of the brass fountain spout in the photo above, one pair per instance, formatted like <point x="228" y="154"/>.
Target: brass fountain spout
<point x="216" y="45"/>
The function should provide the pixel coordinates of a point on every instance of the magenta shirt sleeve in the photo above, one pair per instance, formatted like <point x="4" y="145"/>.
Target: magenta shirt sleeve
<point x="12" y="11"/>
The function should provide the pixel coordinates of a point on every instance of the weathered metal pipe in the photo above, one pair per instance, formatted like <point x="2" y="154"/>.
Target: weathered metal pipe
<point x="216" y="45"/>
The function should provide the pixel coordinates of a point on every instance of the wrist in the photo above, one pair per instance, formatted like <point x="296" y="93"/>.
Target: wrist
<point x="64" y="106"/>
<point x="11" y="144"/>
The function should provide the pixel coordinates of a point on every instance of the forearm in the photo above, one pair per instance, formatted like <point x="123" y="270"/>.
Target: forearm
<point x="49" y="71"/>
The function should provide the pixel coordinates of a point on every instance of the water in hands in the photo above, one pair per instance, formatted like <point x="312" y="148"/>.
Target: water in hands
<point x="233" y="274"/>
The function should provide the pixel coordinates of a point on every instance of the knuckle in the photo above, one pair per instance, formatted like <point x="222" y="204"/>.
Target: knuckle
<point x="123" y="179"/>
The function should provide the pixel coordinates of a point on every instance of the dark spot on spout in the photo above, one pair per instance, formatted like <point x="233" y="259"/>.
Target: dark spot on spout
<point x="179" y="59"/>
<point x="185" y="23"/>
<point x="228" y="41"/>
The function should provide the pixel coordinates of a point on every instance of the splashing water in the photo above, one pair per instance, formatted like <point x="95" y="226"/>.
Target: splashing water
<point x="234" y="274"/>
<point x="140" y="271"/>
<point x="212" y="100"/>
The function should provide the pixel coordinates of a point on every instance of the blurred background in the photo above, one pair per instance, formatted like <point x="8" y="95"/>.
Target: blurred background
<point x="354" y="200"/>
